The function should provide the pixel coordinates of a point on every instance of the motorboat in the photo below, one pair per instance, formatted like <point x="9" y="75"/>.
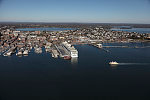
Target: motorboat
<point x="113" y="63"/>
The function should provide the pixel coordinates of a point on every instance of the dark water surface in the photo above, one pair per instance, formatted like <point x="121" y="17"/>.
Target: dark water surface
<point x="42" y="77"/>
<point x="139" y="30"/>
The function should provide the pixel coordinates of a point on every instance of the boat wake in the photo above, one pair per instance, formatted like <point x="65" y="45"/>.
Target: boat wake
<point x="134" y="64"/>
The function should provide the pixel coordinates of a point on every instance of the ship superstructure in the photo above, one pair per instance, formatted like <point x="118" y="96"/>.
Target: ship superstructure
<point x="73" y="52"/>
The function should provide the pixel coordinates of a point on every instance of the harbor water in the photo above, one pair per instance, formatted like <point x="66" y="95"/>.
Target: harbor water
<point x="44" y="77"/>
<point x="44" y="29"/>
<point x="139" y="30"/>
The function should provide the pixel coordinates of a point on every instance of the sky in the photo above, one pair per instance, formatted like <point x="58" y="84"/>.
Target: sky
<point x="79" y="11"/>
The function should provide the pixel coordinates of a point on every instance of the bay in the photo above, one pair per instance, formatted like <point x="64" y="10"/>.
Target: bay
<point x="41" y="76"/>
<point x="44" y="29"/>
<point x="139" y="30"/>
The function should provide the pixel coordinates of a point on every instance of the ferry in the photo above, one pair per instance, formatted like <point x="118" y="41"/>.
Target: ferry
<point x="113" y="63"/>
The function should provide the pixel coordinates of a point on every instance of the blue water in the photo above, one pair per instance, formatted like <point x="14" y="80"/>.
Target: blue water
<point x="122" y="27"/>
<point x="139" y="30"/>
<point x="39" y="76"/>
<point x="44" y="29"/>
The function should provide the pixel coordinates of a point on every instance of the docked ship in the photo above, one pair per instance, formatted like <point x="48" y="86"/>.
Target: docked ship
<point x="73" y="52"/>
<point x="20" y="52"/>
<point x="25" y="52"/>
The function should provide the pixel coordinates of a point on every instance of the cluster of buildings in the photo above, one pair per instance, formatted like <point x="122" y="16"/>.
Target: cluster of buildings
<point x="107" y="35"/>
<point x="60" y="43"/>
<point x="22" y="42"/>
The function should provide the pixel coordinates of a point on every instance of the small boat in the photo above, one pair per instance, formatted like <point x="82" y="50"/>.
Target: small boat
<point x="113" y="63"/>
<point x="67" y="57"/>
<point x="19" y="53"/>
<point x="25" y="52"/>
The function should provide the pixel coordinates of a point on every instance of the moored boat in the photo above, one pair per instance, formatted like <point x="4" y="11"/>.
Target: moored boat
<point x="19" y="53"/>
<point x="67" y="57"/>
<point x="25" y="52"/>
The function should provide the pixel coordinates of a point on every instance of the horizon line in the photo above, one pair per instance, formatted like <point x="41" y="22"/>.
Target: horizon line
<point x="71" y="22"/>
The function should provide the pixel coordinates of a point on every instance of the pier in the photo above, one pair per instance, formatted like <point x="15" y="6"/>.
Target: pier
<point x="10" y="51"/>
<point x="55" y="54"/>
<point x="62" y="51"/>
<point x="115" y="46"/>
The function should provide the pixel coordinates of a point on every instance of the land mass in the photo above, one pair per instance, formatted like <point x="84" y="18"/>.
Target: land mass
<point x="60" y="43"/>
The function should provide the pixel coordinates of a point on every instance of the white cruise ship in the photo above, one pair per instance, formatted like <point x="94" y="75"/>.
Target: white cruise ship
<point x="73" y="52"/>
<point x="71" y="49"/>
